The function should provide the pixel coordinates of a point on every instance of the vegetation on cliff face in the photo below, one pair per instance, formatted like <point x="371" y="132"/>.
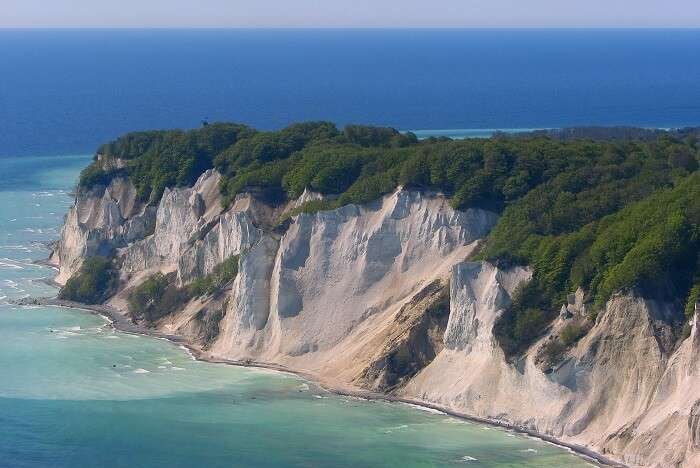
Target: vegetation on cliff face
<point x="159" y="295"/>
<point x="93" y="283"/>
<point x="693" y="298"/>
<point x="603" y="215"/>
<point x="155" y="298"/>
<point x="223" y="273"/>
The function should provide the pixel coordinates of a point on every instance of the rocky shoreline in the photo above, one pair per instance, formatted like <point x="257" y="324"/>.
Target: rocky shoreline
<point x="123" y="324"/>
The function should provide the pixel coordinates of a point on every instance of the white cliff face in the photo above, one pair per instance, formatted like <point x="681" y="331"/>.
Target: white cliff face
<point x="98" y="222"/>
<point x="191" y="234"/>
<point x="622" y="390"/>
<point x="475" y="286"/>
<point x="186" y="232"/>
<point x="333" y="293"/>
<point x="667" y="432"/>
<point x="181" y="214"/>
<point x="335" y="270"/>
<point x="232" y="233"/>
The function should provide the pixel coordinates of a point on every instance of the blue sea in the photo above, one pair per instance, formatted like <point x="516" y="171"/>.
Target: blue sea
<point x="64" y="92"/>
<point x="75" y="393"/>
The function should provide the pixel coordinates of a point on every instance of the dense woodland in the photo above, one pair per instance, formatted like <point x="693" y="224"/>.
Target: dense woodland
<point x="610" y="212"/>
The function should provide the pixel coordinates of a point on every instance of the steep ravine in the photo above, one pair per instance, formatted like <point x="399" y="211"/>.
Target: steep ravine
<point x="382" y="297"/>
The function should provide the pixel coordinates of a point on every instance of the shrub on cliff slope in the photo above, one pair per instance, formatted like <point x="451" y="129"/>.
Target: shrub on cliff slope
<point x="223" y="273"/>
<point x="159" y="296"/>
<point x="155" y="298"/>
<point x="93" y="283"/>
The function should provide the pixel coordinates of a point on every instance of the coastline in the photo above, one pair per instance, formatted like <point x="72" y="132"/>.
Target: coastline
<point x="121" y="323"/>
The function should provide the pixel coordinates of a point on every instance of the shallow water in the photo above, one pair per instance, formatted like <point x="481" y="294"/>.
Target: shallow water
<point x="76" y="393"/>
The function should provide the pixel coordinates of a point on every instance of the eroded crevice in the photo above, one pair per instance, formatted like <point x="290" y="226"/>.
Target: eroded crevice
<point x="413" y="342"/>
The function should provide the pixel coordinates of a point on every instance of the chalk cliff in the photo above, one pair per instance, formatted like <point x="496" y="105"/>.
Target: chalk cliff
<point x="383" y="297"/>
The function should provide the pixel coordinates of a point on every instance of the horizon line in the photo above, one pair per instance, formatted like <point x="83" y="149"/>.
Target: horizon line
<point x="350" y="28"/>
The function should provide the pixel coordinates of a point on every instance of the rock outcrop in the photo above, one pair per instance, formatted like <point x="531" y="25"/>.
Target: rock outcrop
<point x="103" y="219"/>
<point x="382" y="296"/>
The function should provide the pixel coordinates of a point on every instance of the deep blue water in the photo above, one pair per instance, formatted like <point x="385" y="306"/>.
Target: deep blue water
<point x="64" y="92"/>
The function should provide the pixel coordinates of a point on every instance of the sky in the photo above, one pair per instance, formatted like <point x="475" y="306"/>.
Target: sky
<point x="349" y="13"/>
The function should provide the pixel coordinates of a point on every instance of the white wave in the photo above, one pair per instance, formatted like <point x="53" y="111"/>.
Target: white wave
<point x="320" y="397"/>
<point x="467" y="459"/>
<point x="111" y="337"/>
<point x="162" y="367"/>
<point x="189" y="353"/>
<point x="402" y="426"/>
<point x="141" y="371"/>
<point x="177" y="368"/>
<point x="456" y="421"/>
<point x="9" y="264"/>
<point x="21" y="247"/>
<point x="423" y="408"/>
<point x="530" y="450"/>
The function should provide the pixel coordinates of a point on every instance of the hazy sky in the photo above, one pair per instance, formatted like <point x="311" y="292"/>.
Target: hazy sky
<point x="349" y="13"/>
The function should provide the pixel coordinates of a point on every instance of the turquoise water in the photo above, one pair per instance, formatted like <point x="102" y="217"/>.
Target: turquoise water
<point x="75" y="393"/>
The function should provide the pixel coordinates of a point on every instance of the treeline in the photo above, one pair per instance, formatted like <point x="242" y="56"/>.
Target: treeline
<point x="608" y="133"/>
<point x="602" y="215"/>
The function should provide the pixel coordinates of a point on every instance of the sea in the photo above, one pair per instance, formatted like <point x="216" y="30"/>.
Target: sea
<point x="67" y="91"/>
<point x="76" y="393"/>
